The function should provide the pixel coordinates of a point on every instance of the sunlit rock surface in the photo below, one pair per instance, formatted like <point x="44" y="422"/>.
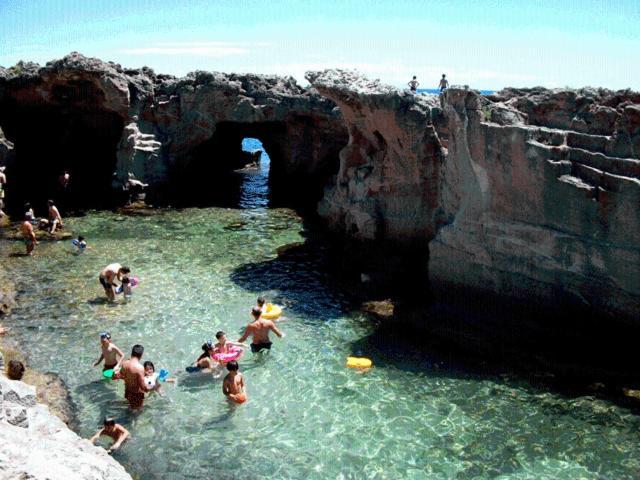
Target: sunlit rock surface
<point x="535" y="196"/>
<point x="36" y="444"/>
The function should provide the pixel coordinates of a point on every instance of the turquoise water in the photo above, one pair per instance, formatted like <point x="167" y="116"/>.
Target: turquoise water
<point x="411" y="416"/>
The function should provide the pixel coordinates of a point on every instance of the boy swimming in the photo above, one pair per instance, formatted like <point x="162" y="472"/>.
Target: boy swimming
<point x="260" y="303"/>
<point x="233" y="384"/>
<point x="114" y="430"/>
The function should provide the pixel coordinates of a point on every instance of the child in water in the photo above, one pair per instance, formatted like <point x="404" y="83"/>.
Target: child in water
<point x="260" y="303"/>
<point x="233" y="384"/>
<point x="114" y="430"/>
<point x="224" y="345"/>
<point x="80" y="244"/>
<point x="153" y="379"/>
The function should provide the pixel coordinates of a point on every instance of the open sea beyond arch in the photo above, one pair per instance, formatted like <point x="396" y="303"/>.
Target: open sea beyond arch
<point x="413" y="416"/>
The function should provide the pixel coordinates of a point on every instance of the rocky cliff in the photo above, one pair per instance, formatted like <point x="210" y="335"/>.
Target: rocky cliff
<point x="529" y="194"/>
<point x="103" y="122"/>
<point x="37" y="445"/>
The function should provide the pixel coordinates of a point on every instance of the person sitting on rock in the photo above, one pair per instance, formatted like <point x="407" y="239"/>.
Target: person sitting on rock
<point x="114" y="430"/>
<point x="15" y="370"/>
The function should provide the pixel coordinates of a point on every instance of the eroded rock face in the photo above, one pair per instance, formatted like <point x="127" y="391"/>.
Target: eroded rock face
<point x="536" y="195"/>
<point x="90" y="113"/>
<point x="388" y="184"/>
<point x="38" y="445"/>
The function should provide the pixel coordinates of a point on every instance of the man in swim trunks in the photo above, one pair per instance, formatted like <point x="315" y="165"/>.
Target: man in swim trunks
<point x="413" y="84"/>
<point x="133" y="374"/>
<point x="444" y="83"/>
<point x="112" y="272"/>
<point x="110" y="353"/>
<point x="259" y="330"/>
<point x="29" y="235"/>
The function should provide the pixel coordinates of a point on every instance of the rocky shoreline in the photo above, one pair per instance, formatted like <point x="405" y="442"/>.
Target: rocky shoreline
<point x="38" y="445"/>
<point x="530" y="194"/>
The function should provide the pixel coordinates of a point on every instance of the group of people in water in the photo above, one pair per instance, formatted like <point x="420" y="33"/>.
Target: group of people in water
<point x="442" y="86"/>
<point x="140" y="378"/>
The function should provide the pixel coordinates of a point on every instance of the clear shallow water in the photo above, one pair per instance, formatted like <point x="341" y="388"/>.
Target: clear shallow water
<point x="412" y="416"/>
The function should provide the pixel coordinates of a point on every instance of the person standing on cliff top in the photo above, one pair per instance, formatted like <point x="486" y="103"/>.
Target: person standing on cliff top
<point x="413" y="84"/>
<point x="29" y="235"/>
<point x="444" y="83"/>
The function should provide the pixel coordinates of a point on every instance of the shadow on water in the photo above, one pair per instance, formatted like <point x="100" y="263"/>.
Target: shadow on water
<point x="467" y="344"/>
<point x="300" y="279"/>
<point x="459" y="333"/>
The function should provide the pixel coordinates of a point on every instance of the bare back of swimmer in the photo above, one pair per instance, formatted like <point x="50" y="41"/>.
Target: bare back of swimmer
<point x="259" y="331"/>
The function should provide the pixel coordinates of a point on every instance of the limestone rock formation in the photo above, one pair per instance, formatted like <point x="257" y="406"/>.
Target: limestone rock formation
<point x="535" y="196"/>
<point x="37" y="445"/>
<point x="103" y="121"/>
<point x="388" y="183"/>
<point x="546" y="210"/>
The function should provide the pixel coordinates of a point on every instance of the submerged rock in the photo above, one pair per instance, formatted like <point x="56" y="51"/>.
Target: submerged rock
<point x="382" y="309"/>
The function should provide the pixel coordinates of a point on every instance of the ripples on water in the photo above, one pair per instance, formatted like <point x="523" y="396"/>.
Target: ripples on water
<point x="308" y="416"/>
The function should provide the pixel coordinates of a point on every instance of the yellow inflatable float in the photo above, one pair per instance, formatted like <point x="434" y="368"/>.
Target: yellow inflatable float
<point x="271" y="311"/>
<point x="359" y="362"/>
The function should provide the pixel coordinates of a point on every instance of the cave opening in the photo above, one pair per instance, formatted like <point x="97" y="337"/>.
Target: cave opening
<point x="248" y="165"/>
<point x="49" y="140"/>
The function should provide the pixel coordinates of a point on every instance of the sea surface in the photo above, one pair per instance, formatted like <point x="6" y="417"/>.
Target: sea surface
<point x="435" y="91"/>
<point x="412" y="416"/>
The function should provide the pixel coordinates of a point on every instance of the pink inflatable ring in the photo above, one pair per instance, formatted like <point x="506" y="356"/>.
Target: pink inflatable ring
<point x="234" y="354"/>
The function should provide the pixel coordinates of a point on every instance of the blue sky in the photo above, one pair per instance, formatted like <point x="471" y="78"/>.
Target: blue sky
<point x="484" y="44"/>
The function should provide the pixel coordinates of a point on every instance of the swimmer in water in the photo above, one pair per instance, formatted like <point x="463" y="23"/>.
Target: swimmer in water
<point x="152" y="380"/>
<point x="108" y="275"/>
<point x="204" y="361"/>
<point x="233" y="385"/>
<point x="113" y="430"/>
<point x="224" y="345"/>
<point x="81" y="244"/>
<point x="260" y="303"/>
<point x="133" y="374"/>
<point x="259" y="331"/>
<point x="29" y="235"/>
<point x="110" y="353"/>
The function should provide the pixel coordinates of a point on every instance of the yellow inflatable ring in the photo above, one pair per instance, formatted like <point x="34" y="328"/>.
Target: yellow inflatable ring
<point x="271" y="311"/>
<point x="359" y="362"/>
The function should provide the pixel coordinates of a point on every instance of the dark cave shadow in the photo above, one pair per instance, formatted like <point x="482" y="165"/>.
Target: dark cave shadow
<point x="449" y="349"/>
<point x="300" y="279"/>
